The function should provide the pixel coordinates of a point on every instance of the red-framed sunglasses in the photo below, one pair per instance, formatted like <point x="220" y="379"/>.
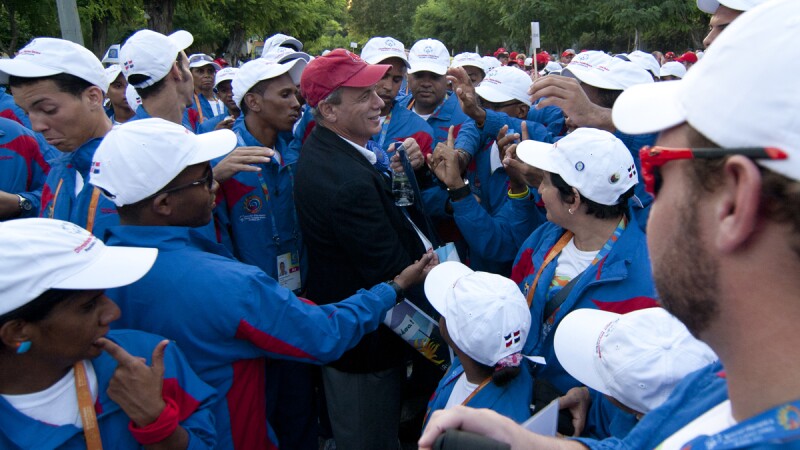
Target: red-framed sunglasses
<point x="652" y="158"/>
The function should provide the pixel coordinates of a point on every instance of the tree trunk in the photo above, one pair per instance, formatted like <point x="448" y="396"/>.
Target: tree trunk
<point x="160" y="13"/>
<point x="12" y="19"/>
<point x="100" y="36"/>
<point x="236" y="39"/>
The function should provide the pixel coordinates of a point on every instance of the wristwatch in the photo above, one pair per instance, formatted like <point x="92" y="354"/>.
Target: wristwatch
<point x="25" y="205"/>
<point x="459" y="193"/>
<point x="399" y="292"/>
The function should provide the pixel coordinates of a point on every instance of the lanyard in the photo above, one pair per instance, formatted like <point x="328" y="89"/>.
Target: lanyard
<point x="563" y="241"/>
<point x="90" y="216"/>
<point x="199" y="108"/>
<point x="435" y="111"/>
<point x="86" y="408"/>
<point x="477" y="389"/>
<point x="779" y="424"/>
<point x="51" y="211"/>
<point x="385" y="129"/>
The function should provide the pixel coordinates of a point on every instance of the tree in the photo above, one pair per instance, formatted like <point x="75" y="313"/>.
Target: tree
<point x="381" y="18"/>
<point x="26" y="20"/>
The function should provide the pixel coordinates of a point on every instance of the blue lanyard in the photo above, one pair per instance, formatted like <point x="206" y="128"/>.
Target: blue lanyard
<point x="779" y="424"/>
<point x="435" y="112"/>
<point x="265" y="190"/>
<point x="385" y="129"/>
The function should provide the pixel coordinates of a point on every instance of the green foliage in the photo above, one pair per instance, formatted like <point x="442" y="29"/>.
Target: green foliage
<point x="30" y="19"/>
<point x="385" y="18"/>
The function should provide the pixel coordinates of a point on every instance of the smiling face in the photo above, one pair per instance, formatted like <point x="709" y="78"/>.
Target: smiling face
<point x="66" y="121"/>
<point x="357" y="116"/>
<point x="69" y="332"/>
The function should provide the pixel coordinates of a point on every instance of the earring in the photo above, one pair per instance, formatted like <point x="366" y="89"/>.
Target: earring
<point x="23" y="347"/>
<point x="571" y="211"/>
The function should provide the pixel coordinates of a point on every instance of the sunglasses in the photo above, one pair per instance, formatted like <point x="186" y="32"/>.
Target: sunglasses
<point x="652" y="158"/>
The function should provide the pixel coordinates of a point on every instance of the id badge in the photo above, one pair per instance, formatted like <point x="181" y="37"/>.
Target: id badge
<point x="289" y="271"/>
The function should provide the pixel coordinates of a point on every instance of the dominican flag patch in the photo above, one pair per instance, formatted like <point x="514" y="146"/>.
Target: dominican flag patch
<point x="96" y="167"/>
<point x="129" y="64"/>
<point x="512" y="338"/>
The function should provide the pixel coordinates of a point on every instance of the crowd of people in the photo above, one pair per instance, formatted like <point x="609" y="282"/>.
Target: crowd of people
<point x="194" y="255"/>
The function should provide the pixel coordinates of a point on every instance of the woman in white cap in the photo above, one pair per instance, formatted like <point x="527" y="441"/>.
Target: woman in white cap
<point x="586" y="255"/>
<point x="485" y="321"/>
<point x="65" y="380"/>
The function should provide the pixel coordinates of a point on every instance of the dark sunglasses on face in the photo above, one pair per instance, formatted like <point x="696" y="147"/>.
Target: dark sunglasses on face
<point x="207" y="180"/>
<point x="652" y="158"/>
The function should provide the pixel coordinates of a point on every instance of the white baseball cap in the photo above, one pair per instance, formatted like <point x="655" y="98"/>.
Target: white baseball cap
<point x="491" y="62"/>
<point x="225" y="74"/>
<point x="429" y="55"/>
<point x="152" y="54"/>
<point x="200" y="60"/>
<point x="137" y="159"/>
<point x="132" y="97"/>
<point x="597" y="69"/>
<point x="112" y="55"/>
<point x="551" y="67"/>
<point x="730" y="106"/>
<point x="592" y="161"/>
<point x="646" y="61"/>
<point x="43" y="254"/>
<point x="469" y="59"/>
<point x="503" y="84"/>
<point x="379" y="49"/>
<point x="285" y="54"/>
<point x="281" y="40"/>
<point x="637" y="357"/>
<point x="487" y="315"/>
<point x="673" y="68"/>
<point x="710" y="6"/>
<point x="43" y="57"/>
<point x="112" y="72"/>
<point x="261" y="69"/>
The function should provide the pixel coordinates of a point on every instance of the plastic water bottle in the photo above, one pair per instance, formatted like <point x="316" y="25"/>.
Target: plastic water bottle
<point x="401" y="188"/>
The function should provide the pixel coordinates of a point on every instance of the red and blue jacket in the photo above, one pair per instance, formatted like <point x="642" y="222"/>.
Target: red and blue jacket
<point x="88" y="209"/>
<point x="228" y="316"/>
<point x="248" y="211"/>
<point x="23" y="168"/>
<point x="194" y="398"/>
<point x="512" y="400"/>
<point x="621" y="282"/>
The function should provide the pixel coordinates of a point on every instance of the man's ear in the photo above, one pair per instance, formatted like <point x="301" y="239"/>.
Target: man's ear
<point x="522" y="111"/>
<point x="94" y="96"/>
<point x="161" y="205"/>
<point x="327" y="111"/>
<point x="252" y="101"/>
<point x="736" y="203"/>
<point x="13" y="332"/>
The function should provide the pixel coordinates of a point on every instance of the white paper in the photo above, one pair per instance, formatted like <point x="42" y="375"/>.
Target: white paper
<point x="544" y="422"/>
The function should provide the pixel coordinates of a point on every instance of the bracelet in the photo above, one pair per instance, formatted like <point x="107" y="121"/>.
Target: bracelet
<point x="520" y="195"/>
<point x="460" y="193"/>
<point x="159" y="430"/>
<point x="399" y="292"/>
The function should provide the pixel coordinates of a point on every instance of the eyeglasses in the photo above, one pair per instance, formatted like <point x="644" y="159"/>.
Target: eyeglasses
<point x="207" y="180"/>
<point x="498" y="106"/>
<point x="652" y="158"/>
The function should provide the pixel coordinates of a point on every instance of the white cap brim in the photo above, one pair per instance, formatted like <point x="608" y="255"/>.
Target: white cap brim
<point x="649" y="108"/>
<point x="213" y="145"/>
<point x="575" y="344"/>
<point x="115" y="267"/>
<point x="182" y="39"/>
<point x="204" y="63"/>
<point x="539" y="155"/>
<point x="493" y="95"/>
<point x="441" y="280"/>
<point x="425" y="67"/>
<point x="24" y="69"/>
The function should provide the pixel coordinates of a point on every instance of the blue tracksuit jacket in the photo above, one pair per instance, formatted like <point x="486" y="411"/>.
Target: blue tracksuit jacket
<point x="227" y="316"/>
<point x="621" y="282"/>
<point x="23" y="168"/>
<point x="89" y="209"/>
<point x="194" y="398"/>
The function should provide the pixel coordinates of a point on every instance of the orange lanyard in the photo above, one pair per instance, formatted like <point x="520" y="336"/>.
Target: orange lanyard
<point x="92" y="209"/>
<point x="477" y="389"/>
<point x="86" y="407"/>
<point x="551" y="255"/>
<point x="55" y="197"/>
<point x="199" y="108"/>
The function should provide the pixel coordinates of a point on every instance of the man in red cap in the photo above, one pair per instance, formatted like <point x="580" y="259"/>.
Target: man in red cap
<point x="354" y="234"/>
<point x="502" y="55"/>
<point x="566" y="56"/>
<point x="688" y="59"/>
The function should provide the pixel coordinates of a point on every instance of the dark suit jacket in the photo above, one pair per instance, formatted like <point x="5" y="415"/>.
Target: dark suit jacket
<point x="355" y="235"/>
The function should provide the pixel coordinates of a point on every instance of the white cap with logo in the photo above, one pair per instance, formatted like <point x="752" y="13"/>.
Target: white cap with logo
<point x="487" y="315"/>
<point x="152" y="54"/>
<point x="44" y="254"/>
<point x="261" y="69"/>
<point x="503" y="84"/>
<point x="645" y="60"/>
<point x="138" y="158"/>
<point x="379" y="49"/>
<point x="225" y="74"/>
<point x="43" y="57"/>
<point x="469" y="59"/>
<point x="730" y="106"/>
<point x="597" y="69"/>
<point x="201" y="59"/>
<point x="281" y="40"/>
<point x="285" y="54"/>
<point x="592" y="161"/>
<point x="673" y="68"/>
<point x="132" y="98"/>
<point x="429" y="55"/>
<point x="637" y="357"/>
<point x="490" y="62"/>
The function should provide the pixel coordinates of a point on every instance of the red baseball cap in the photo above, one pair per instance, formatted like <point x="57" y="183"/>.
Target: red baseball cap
<point x="339" y="68"/>
<point x="542" y="58"/>
<point x="513" y="55"/>
<point x="688" y="57"/>
<point x="500" y="51"/>
<point x="669" y="55"/>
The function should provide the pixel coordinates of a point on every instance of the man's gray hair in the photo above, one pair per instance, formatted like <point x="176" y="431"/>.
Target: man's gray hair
<point x="334" y="98"/>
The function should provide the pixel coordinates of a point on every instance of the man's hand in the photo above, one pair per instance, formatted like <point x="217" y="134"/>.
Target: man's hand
<point x="416" y="273"/>
<point x="135" y="386"/>
<point x="445" y="163"/>
<point x="414" y="153"/>
<point x="467" y="96"/>
<point x="242" y="159"/>
<point x="225" y="123"/>
<point x="577" y="401"/>
<point x="520" y="175"/>
<point x="567" y="94"/>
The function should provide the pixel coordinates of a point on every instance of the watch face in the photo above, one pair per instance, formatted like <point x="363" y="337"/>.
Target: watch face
<point x="25" y="204"/>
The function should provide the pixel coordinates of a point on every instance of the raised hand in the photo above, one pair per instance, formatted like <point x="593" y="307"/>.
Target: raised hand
<point x="241" y="160"/>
